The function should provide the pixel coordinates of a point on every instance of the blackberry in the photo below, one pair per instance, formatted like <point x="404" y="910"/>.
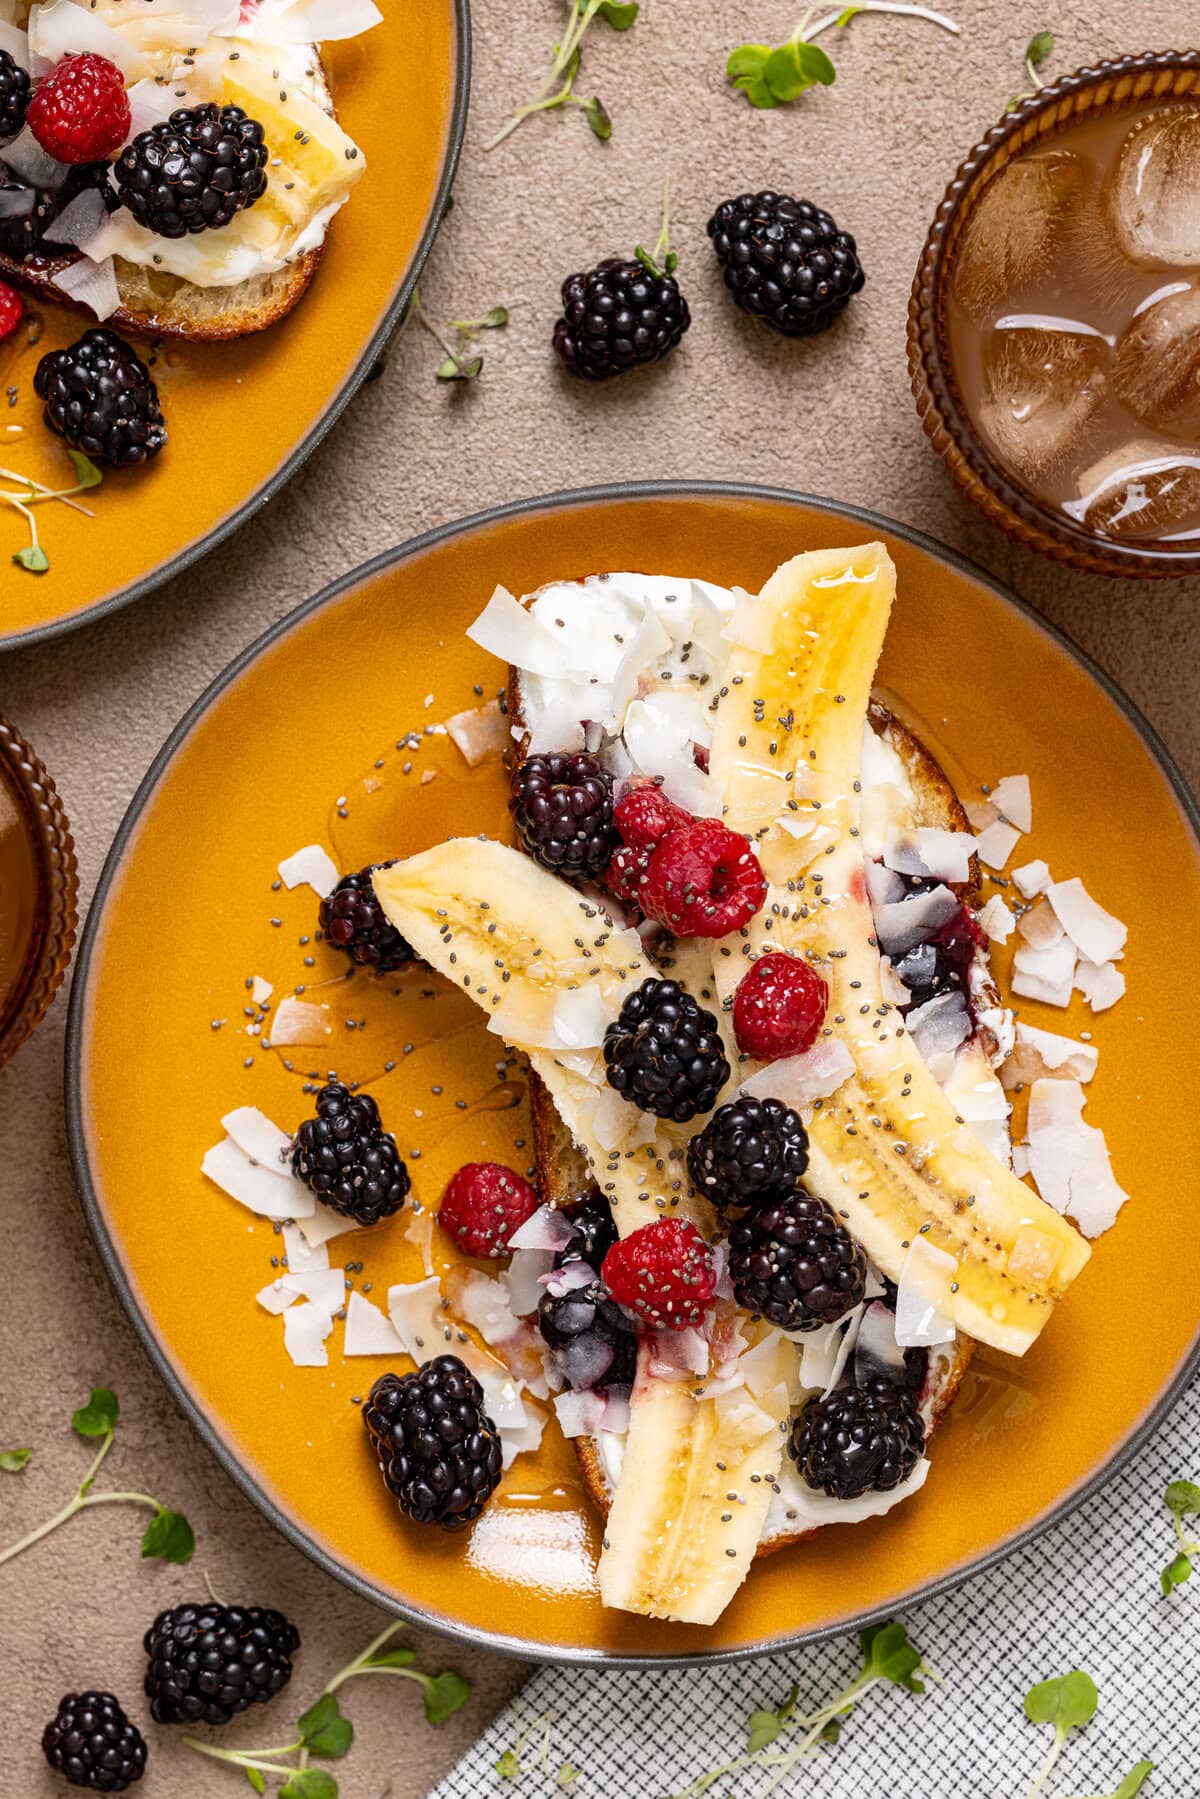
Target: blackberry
<point x="354" y="921"/>
<point x="750" y="1152"/>
<point x="91" y="1742"/>
<point x="347" y="1159"/>
<point x="785" y="261"/>
<point x="794" y="1263"/>
<point x="14" y="95"/>
<point x="858" y="1440"/>
<point x="619" y="316"/>
<point x="209" y="1662"/>
<point x="194" y="171"/>
<point x="595" y="1340"/>
<point x="943" y="964"/>
<point x="664" y="1052"/>
<point x="100" y="397"/>
<point x="595" y="1233"/>
<point x="438" y="1451"/>
<point x="563" y="810"/>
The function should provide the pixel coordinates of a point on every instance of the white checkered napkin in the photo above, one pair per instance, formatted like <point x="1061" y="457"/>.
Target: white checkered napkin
<point x="1085" y="1595"/>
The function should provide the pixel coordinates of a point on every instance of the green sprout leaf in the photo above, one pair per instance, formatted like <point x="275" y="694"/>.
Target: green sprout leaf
<point x="34" y="559"/>
<point x="324" y="1731"/>
<point x="844" y="18"/>
<point x="1183" y="1496"/>
<point x="1041" y="44"/>
<point x="309" y="1783"/>
<point x="1176" y="1572"/>
<point x="1134" y="1781"/>
<point x="445" y="1694"/>
<point x="620" y="16"/>
<point x="256" y="1780"/>
<point x="13" y="1460"/>
<point x="567" y="1775"/>
<point x="495" y="319"/>
<point x="888" y="1655"/>
<point x="86" y="473"/>
<point x="747" y="59"/>
<point x="170" y="1536"/>
<point x="509" y="1765"/>
<point x="597" y="116"/>
<point x="765" y="1726"/>
<point x="1068" y="1702"/>
<point x="98" y="1418"/>
<point x="394" y="1658"/>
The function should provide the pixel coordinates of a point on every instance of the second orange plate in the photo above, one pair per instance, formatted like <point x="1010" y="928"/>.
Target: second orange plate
<point x="165" y="1039"/>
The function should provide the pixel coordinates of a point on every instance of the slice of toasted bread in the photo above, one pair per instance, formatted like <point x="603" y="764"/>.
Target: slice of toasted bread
<point x="161" y="305"/>
<point x="562" y="1174"/>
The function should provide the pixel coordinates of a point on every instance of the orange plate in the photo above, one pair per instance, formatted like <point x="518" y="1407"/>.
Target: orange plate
<point x="269" y="398"/>
<point x="296" y="743"/>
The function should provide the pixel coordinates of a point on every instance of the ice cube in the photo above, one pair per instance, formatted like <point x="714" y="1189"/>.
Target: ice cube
<point x="1140" y="491"/>
<point x="1153" y="193"/>
<point x="1042" y="385"/>
<point x="1157" y="370"/>
<point x="1015" y="228"/>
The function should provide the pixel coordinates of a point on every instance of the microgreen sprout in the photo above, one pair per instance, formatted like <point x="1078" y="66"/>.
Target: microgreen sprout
<point x="772" y="77"/>
<point x="888" y="1659"/>
<point x="1182" y="1501"/>
<point x="530" y="1753"/>
<point x="322" y="1730"/>
<point x="663" y="261"/>
<point x="458" y="363"/>
<point x="12" y="1461"/>
<point x="1039" y="47"/>
<point x="33" y="493"/>
<point x="168" y="1533"/>
<point x="558" y="88"/>
<point x="1068" y="1703"/>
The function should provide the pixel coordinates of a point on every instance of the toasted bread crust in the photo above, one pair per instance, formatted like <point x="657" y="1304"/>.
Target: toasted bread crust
<point x="562" y="1173"/>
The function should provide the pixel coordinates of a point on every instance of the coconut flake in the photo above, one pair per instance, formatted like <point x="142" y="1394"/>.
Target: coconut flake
<point x="306" y="21"/>
<point x="558" y="725"/>
<point x="1039" y="1055"/>
<point x="1045" y="974"/>
<point x="367" y="1331"/>
<point x="523" y="1279"/>
<point x="659" y="749"/>
<point x="884" y="885"/>
<point x="684" y="1351"/>
<point x="16" y="42"/>
<point x="922" y="1296"/>
<point x="424" y="1327"/>
<point x="548" y="1228"/>
<point x="298" y="1023"/>
<point x="570" y="1278"/>
<point x="929" y="853"/>
<point x="419" y="1232"/>
<point x="996" y="921"/>
<point x="479" y="733"/>
<point x="311" y="866"/>
<point x="484" y="1302"/>
<point x="580" y="1414"/>
<point x="81" y="220"/>
<point x="1094" y="932"/>
<point x="901" y="926"/>
<point x="323" y="1224"/>
<point x="93" y="284"/>
<point x="326" y="1287"/>
<point x="1101" y="984"/>
<point x="508" y="630"/>
<point x="303" y="1257"/>
<point x="981" y="813"/>
<point x="750" y="625"/>
<point x="580" y="1018"/>
<point x="1031" y="879"/>
<point x="61" y="28"/>
<point x="824" y="1353"/>
<point x="1013" y="800"/>
<point x="650" y="641"/>
<point x="877" y="1351"/>
<point x="305" y="1328"/>
<point x="258" y="1138"/>
<point x="260" y="990"/>
<point x="1040" y="927"/>
<point x="523" y="1439"/>
<point x="891" y="986"/>
<point x="940" y="1025"/>
<point x="997" y="843"/>
<point x="275" y="1298"/>
<point x="802" y="1080"/>
<point x="26" y="158"/>
<point x="1069" y="1159"/>
<point x="259" y="1189"/>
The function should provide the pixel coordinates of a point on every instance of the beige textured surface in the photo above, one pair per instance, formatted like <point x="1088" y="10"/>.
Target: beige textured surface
<point x="834" y="417"/>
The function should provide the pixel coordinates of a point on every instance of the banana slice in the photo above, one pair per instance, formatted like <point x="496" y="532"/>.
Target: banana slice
<point x="888" y="1151"/>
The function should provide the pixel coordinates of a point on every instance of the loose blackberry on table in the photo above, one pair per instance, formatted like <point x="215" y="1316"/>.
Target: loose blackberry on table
<point x="438" y="1451"/>
<point x="354" y="922"/>
<point x="664" y="1052"/>
<point x="347" y="1159"/>
<point x="209" y="1662"/>
<point x="91" y="1742"/>
<point x="622" y="314"/>
<point x="785" y="261"/>
<point x="795" y="1264"/>
<point x="100" y="397"/>
<point x="562" y="806"/>
<point x="751" y="1152"/>
<point x="194" y="171"/>
<point x="858" y="1440"/>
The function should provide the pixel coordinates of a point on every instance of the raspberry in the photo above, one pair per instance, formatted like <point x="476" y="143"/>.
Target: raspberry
<point x="483" y="1205"/>
<point x="664" y="1273"/>
<point x="644" y="816"/>
<point x="81" y="112"/>
<point x="627" y="869"/>
<point x="778" y="1008"/>
<point x="703" y="881"/>
<point x="12" y="310"/>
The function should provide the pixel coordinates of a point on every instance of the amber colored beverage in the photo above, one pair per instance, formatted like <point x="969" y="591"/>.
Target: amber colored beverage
<point x="1074" y="322"/>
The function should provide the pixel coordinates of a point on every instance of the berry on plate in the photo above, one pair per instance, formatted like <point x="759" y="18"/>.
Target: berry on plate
<point x="663" y="1272"/>
<point x="644" y="815"/>
<point x="704" y="880"/>
<point x="437" y="1449"/>
<point x="80" y="112"/>
<point x="12" y="310"/>
<point x="750" y="1153"/>
<point x="100" y="397"/>
<point x="347" y="1159"/>
<point x="563" y="809"/>
<point x="778" y="1008"/>
<point x="484" y="1203"/>
<point x="858" y="1440"/>
<point x="194" y="171"/>
<point x="794" y="1263"/>
<point x="354" y="921"/>
<point x="663" y="1052"/>
<point x="14" y="95"/>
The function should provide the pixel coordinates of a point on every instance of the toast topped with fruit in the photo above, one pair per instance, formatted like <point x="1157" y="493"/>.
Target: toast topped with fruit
<point x="741" y="958"/>
<point x="174" y="168"/>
